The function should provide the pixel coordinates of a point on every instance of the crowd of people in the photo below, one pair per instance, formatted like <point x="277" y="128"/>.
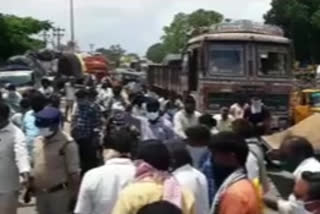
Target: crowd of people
<point x="113" y="149"/>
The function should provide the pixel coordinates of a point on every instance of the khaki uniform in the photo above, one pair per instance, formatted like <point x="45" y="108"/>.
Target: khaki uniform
<point x="54" y="160"/>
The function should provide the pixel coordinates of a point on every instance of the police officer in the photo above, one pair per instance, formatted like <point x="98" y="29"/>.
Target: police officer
<point x="56" y="173"/>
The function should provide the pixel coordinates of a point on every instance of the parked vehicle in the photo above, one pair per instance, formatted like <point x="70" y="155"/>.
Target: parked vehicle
<point x="233" y="62"/>
<point x="304" y="104"/>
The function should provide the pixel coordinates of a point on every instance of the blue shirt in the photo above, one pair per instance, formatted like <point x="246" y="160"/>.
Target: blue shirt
<point x="207" y="170"/>
<point x="86" y="121"/>
<point x="161" y="130"/>
<point x="30" y="129"/>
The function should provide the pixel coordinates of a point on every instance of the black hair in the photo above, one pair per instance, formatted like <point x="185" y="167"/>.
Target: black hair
<point x="198" y="134"/>
<point x="313" y="178"/>
<point x="5" y="110"/>
<point x="153" y="105"/>
<point x="243" y="128"/>
<point x="300" y="146"/>
<point x="25" y="103"/>
<point x="207" y="120"/>
<point x="189" y="99"/>
<point x="122" y="140"/>
<point x="180" y="155"/>
<point x="160" y="207"/>
<point x="37" y="101"/>
<point x="92" y="92"/>
<point x="11" y="87"/>
<point x="155" y="153"/>
<point x="81" y="94"/>
<point x="55" y="101"/>
<point x="228" y="142"/>
<point x="45" y="81"/>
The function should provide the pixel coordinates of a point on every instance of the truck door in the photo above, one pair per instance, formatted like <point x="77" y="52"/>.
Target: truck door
<point x="193" y="71"/>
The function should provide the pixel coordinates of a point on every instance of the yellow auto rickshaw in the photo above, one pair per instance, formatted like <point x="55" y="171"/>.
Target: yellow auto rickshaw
<point x="304" y="103"/>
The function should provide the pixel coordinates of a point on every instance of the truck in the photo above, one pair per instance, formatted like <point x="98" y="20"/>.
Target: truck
<point x="232" y="62"/>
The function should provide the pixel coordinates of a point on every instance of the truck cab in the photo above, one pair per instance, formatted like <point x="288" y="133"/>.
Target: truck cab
<point x="237" y="61"/>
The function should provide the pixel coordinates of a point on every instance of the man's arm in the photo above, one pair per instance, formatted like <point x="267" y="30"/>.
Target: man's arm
<point x="232" y="204"/>
<point x="21" y="155"/>
<point x="73" y="167"/>
<point x="177" y="125"/>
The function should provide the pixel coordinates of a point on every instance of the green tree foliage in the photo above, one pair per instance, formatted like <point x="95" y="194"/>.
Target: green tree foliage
<point x="156" y="53"/>
<point x="113" y="53"/>
<point x="16" y="35"/>
<point x="300" y="20"/>
<point x="180" y="30"/>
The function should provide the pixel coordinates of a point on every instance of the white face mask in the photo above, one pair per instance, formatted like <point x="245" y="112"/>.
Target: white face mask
<point x="45" y="132"/>
<point x="152" y="116"/>
<point x="297" y="206"/>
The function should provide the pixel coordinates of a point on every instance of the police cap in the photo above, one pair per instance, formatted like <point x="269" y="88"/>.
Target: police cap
<point x="48" y="117"/>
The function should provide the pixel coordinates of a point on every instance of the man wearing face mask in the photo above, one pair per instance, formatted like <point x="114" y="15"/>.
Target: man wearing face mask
<point x="158" y="128"/>
<point x="56" y="173"/>
<point x="14" y="161"/>
<point x="186" y="117"/>
<point x="305" y="198"/>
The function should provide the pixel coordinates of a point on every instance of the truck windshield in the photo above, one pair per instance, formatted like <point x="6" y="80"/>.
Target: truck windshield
<point x="226" y="60"/>
<point x="315" y="99"/>
<point x="273" y="61"/>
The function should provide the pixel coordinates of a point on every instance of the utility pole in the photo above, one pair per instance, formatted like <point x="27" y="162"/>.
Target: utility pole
<point x="58" y="33"/>
<point x="46" y="37"/>
<point x="72" y="24"/>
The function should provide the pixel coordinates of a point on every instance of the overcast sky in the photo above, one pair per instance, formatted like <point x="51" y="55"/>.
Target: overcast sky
<point x="135" y="24"/>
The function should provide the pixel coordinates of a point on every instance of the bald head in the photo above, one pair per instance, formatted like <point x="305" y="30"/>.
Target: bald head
<point x="296" y="149"/>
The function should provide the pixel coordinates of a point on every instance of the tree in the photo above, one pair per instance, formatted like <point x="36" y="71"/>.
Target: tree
<point x="113" y="53"/>
<point x="16" y="35"/>
<point x="300" y="20"/>
<point x="156" y="53"/>
<point x="186" y="25"/>
<point x="183" y="27"/>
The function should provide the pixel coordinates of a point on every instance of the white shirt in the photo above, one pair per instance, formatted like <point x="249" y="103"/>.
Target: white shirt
<point x="14" y="158"/>
<point x="195" y="181"/>
<point x="310" y="164"/>
<point x="223" y="125"/>
<point x="46" y="91"/>
<point x="181" y="122"/>
<point x="70" y="92"/>
<point x="100" y="186"/>
<point x="237" y="111"/>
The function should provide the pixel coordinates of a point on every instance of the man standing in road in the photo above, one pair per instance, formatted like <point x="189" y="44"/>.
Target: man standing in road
<point x="224" y="120"/>
<point x="14" y="161"/>
<point x="186" y="117"/>
<point x="237" y="193"/>
<point x="85" y="127"/>
<point x="56" y="173"/>
<point x="158" y="128"/>
<point x="101" y="186"/>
